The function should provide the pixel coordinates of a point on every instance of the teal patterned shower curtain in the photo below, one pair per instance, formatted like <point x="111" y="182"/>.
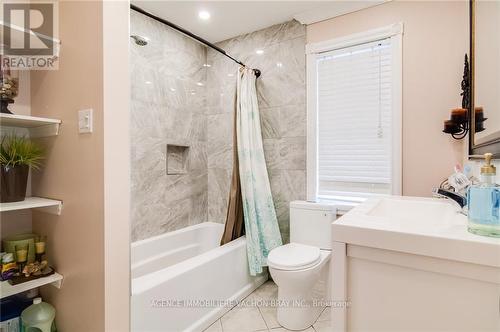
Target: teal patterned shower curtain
<point x="261" y="225"/>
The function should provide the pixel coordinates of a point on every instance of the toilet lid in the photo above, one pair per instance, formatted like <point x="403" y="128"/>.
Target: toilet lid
<point x="293" y="256"/>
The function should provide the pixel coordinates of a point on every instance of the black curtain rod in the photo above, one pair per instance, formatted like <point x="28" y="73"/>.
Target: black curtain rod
<point x="190" y="34"/>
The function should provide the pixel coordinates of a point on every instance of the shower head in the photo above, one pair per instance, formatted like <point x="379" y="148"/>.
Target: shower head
<point x="140" y="40"/>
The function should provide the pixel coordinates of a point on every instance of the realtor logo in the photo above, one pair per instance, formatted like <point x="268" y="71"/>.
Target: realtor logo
<point x="29" y="34"/>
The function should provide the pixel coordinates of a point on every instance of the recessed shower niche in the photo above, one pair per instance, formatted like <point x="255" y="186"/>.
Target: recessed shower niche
<point x="177" y="159"/>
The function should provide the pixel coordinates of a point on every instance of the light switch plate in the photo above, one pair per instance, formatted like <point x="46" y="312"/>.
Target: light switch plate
<point x="85" y="121"/>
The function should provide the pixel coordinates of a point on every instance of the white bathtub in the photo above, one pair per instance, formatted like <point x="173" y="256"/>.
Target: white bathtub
<point x="185" y="281"/>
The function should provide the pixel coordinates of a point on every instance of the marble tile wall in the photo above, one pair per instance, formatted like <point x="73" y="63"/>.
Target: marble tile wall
<point x="177" y="100"/>
<point x="168" y="83"/>
<point x="282" y="102"/>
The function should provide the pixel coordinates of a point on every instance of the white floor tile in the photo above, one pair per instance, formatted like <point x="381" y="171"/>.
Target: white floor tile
<point x="243" y="319"/>
<point x="324" y="326"/>
<point x="269" y="314"/>
<point x="215" y="327"/>
<point x="251" y="318"/>
<point x="282" y="329"/>
<point x="268" y="291"/>
<point x="325" y="315"/>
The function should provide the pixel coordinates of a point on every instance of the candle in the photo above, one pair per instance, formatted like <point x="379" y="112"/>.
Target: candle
<point x="450" y="127"/>
<point x="479" y="113"/>
<point x="21" y="255"/>
<point x="459" y="115"/>
<point x="40" y="247"/>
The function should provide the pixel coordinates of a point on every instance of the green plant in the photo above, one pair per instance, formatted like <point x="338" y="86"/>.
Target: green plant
<point x="18" y="151"/>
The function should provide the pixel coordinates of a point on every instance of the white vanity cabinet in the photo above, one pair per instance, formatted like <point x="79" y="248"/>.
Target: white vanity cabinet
<point x="409" y="264"/>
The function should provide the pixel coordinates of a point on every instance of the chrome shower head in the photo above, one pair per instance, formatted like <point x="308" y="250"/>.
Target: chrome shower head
<point x="140" y="40"/>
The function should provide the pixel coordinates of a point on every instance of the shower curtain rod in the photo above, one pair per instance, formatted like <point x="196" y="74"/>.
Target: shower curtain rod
<point x="190" y="34"/>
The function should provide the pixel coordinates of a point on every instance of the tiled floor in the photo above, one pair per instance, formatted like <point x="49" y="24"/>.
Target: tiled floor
<point x="261" y="317"/>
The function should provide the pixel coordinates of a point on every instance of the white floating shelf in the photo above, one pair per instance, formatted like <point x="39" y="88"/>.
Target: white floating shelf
<point x="7" y="289"/>
<point x="37" y="127"/>
<point x="42" y="204"/>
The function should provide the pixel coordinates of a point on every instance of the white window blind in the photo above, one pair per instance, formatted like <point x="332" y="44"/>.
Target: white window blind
<point x="354" y="120"/>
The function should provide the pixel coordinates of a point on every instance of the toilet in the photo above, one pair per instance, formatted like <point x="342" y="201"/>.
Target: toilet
<point x="301" y="269"/>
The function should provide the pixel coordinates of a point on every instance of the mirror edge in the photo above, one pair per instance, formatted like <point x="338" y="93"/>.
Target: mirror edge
<point x="476" y="151"/>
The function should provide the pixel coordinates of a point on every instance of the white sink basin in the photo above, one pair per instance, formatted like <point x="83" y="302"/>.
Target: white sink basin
<point x="426" y="226"/>
<point x="399" y="209"/>
<point x="421" y="213"/>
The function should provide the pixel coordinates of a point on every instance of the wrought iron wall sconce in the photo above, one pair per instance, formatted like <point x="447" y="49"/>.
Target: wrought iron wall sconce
<point x="458" y="124"/>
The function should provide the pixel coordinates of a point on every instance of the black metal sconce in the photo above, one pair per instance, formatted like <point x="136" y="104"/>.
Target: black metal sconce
<point x="458" y="124"/>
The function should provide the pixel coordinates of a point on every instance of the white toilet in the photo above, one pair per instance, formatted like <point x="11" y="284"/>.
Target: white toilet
<point x="301" y="269"/>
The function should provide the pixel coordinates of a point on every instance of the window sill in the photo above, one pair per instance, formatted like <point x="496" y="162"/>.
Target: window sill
<point x="346" y="203"/>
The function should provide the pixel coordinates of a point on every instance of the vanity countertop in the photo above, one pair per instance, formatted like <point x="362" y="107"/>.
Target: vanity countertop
<point x="423" y="226"/>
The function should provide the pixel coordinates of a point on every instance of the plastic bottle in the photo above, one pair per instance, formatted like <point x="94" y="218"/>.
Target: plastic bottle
<point x="38" y="317"/>
<point x="484" y="202"/>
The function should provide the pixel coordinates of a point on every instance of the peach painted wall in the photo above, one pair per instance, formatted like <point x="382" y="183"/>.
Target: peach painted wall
<point x="73" y="170"/>
<point x="434" y="42"/>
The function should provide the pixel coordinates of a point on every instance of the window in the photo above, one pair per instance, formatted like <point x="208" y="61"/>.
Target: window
<point x="354" y="116"/>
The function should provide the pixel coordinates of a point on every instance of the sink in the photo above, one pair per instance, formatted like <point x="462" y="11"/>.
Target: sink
<point x="398" y="258"/>
<point x="425" y="226"/>
<point x="419" y="213"/>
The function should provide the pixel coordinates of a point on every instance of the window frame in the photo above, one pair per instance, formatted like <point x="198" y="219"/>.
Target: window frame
<point x="395" y="32"/>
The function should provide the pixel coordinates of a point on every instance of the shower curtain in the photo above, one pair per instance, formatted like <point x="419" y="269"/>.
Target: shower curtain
<point x="234" y="226"/>
<point x="261" y="225"/>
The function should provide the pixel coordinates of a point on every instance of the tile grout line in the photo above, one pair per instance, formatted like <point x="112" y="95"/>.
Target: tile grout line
<point x="262" y="316"/>
<point x="220" y="322"/>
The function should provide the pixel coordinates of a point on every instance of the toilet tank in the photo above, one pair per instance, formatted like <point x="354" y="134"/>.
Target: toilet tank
<point x="310" y="223"/>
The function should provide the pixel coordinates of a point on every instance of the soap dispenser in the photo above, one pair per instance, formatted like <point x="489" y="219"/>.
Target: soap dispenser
<point x="483" y="202"/>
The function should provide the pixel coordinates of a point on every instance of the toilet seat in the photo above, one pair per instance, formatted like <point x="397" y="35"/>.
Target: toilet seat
<point x="294" y="256"/>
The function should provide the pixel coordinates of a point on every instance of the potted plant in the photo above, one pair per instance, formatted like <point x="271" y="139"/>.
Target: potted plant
<point x="17" y="156"/>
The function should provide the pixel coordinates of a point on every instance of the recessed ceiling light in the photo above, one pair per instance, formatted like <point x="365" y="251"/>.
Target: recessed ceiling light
<point x="148" y="82"/>
<point x="279" y="64"/>
<point x="207" y="65"/>
<point x="204" y="15"/>
<point x="172" y="89"/>
<point x="199" y="84"/>
<point x="259" y="52"/>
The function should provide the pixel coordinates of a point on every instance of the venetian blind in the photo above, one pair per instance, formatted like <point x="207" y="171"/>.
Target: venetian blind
<point x="354" y="103"/>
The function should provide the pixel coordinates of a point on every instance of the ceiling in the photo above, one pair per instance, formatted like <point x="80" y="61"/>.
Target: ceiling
<point x="233" y="18"/>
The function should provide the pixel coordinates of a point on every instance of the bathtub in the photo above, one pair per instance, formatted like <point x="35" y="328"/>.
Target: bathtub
<point x="185" y="281"/>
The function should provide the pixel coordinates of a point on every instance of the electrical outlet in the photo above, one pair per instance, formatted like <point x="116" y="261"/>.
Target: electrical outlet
<point x="85" y="120"/>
